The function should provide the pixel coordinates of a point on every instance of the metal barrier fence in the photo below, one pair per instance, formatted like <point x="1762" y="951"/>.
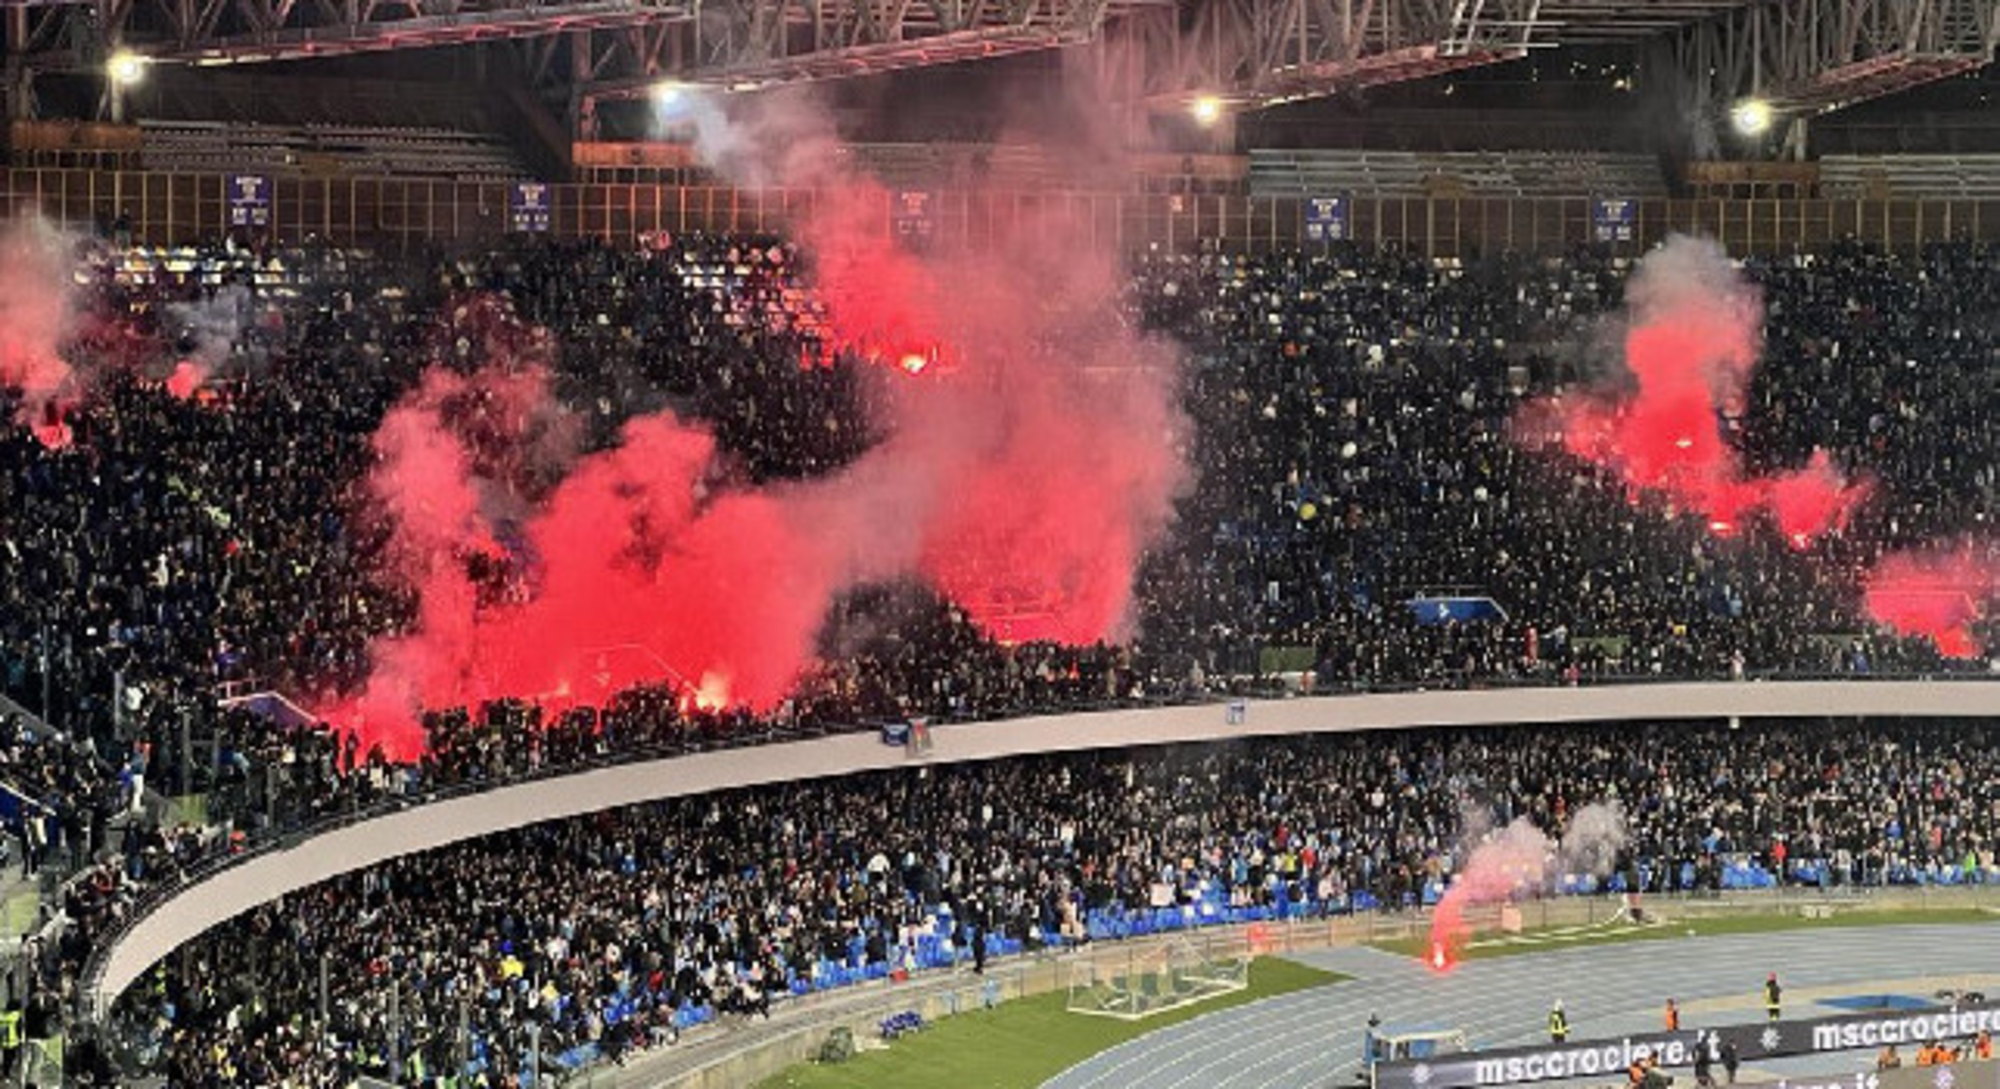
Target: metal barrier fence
<point x="756" y="1053"/>
<point x="409" y="213"/>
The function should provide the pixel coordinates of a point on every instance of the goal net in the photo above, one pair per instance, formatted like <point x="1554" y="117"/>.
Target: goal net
<point x="1142" y="983"/>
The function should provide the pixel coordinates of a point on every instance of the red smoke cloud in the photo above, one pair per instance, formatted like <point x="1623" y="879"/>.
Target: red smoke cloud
<point x="36" y="316"/>
<point x="55" y="350"/>
<point x="1689" y="349"/>
<point x="1023" y="480"/>
<point x="1936" y="592"/>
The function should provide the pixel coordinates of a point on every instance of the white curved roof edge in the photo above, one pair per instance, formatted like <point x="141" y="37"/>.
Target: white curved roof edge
<point x="229" y="892"/>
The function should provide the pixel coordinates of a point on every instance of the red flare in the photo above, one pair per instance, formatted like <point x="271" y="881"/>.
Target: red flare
<point x="1690" y="350"/>
<point x="185" y="379"/>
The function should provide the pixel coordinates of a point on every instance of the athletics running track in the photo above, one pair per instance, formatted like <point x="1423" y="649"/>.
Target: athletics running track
<point x="1312" y="1039"/>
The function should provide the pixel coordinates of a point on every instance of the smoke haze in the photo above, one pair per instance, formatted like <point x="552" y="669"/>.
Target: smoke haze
<point x="1023" y="477"/>
<point x="1692" y="337"/>
<point x="37" y="314"/>
<point x="1940" y="592"/>
<point x="1520" y="862"/>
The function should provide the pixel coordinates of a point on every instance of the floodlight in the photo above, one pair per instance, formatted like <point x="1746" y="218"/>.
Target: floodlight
<point x="1207" y="109"/>
<point x="1751" y="117"/>
<point x="125" y="68"/>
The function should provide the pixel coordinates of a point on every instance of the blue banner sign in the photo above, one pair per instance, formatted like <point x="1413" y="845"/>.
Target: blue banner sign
<point x="915" y="213"/>
<point x="1455" y="610"/>
<point x="249" y="200"/>
<point x="1614" y="219"/>
<point x="528" y="207"/>
<point x="1326" y="219"/>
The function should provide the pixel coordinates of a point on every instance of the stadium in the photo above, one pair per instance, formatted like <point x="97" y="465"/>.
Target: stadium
<point x="1002" y="544"/>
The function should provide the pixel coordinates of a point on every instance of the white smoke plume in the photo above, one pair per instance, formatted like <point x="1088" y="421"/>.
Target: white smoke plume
<point x="1520" y="861"/>
<point x="214" y="330"/>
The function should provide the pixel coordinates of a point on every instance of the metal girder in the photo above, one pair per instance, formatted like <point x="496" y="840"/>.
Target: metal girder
<point x="1804" y="56"/>
<point x="40" y="28"/>
<point x="1253" y="53"/>
<point x="747" y="44"/>
<point x="1583" y="21"/>
<point x="215" y="32"/>
<point x="1810" y="56"/>
<point x="33" y="30"/>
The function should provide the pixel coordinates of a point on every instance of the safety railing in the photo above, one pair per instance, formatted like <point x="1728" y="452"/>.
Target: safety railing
<point x="410" y="214"/>
<point x="279" y="839"/>
<point x="745" y="1054"/>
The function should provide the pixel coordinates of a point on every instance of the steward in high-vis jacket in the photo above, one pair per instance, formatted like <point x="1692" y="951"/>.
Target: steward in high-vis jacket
<point x="10" y="1040"/>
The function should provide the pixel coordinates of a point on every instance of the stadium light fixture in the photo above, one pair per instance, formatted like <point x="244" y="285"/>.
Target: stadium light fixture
<point x="125" y="68"/>
<point x="1207" y="109"/>
<point x="1751" y="117"/>
<point x="668" y="93"/>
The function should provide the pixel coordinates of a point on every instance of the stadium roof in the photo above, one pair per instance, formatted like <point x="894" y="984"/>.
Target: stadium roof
<point x="1803" y="56"/>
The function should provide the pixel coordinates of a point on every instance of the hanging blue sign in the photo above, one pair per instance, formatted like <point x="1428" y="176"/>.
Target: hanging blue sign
<point x="1614" y="219"/>
<point x="528" y="207"/>
<point x="915" y="213"/>
<point x="1326" y="219"/>
<point x="249" y="200"/>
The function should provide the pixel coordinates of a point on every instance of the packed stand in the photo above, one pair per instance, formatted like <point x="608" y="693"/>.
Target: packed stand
<point x="1355" y="428"/>
<point x="1351" y="448"/>
<point x="601" y="935"/>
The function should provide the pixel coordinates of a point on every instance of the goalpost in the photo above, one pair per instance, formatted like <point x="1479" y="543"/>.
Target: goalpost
<point x="1141" y="984"/>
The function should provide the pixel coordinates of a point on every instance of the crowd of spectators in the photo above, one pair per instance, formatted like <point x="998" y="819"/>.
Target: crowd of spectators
<point x="1352" y="446"/>
<point x="610" y="932"/>
<point x="1356" y="441"/>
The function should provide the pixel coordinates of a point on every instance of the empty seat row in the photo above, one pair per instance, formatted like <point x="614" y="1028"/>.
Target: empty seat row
<point x="1910" y="177"/>
<point x="403" y="152"/>
<point x="1506" y="173"/>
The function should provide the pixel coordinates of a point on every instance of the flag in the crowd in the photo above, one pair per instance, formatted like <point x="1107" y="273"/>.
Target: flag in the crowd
<point x="1455" y="610"/>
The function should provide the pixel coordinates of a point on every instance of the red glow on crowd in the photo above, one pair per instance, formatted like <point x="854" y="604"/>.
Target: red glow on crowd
<point x="1025" y="490"/>
<point x="1936" y="593"/>
<point x="185" y="379"/>
<point x="55" y="435"/>
<point x="36" y="315"/>
<point x="1689" y="351"/>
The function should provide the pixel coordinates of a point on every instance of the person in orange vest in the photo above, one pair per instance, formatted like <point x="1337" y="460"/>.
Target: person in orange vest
<point x="1927" y="1054"/>
<point x="1673" y="1016"/>
<point x="1982" y="1048"/>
